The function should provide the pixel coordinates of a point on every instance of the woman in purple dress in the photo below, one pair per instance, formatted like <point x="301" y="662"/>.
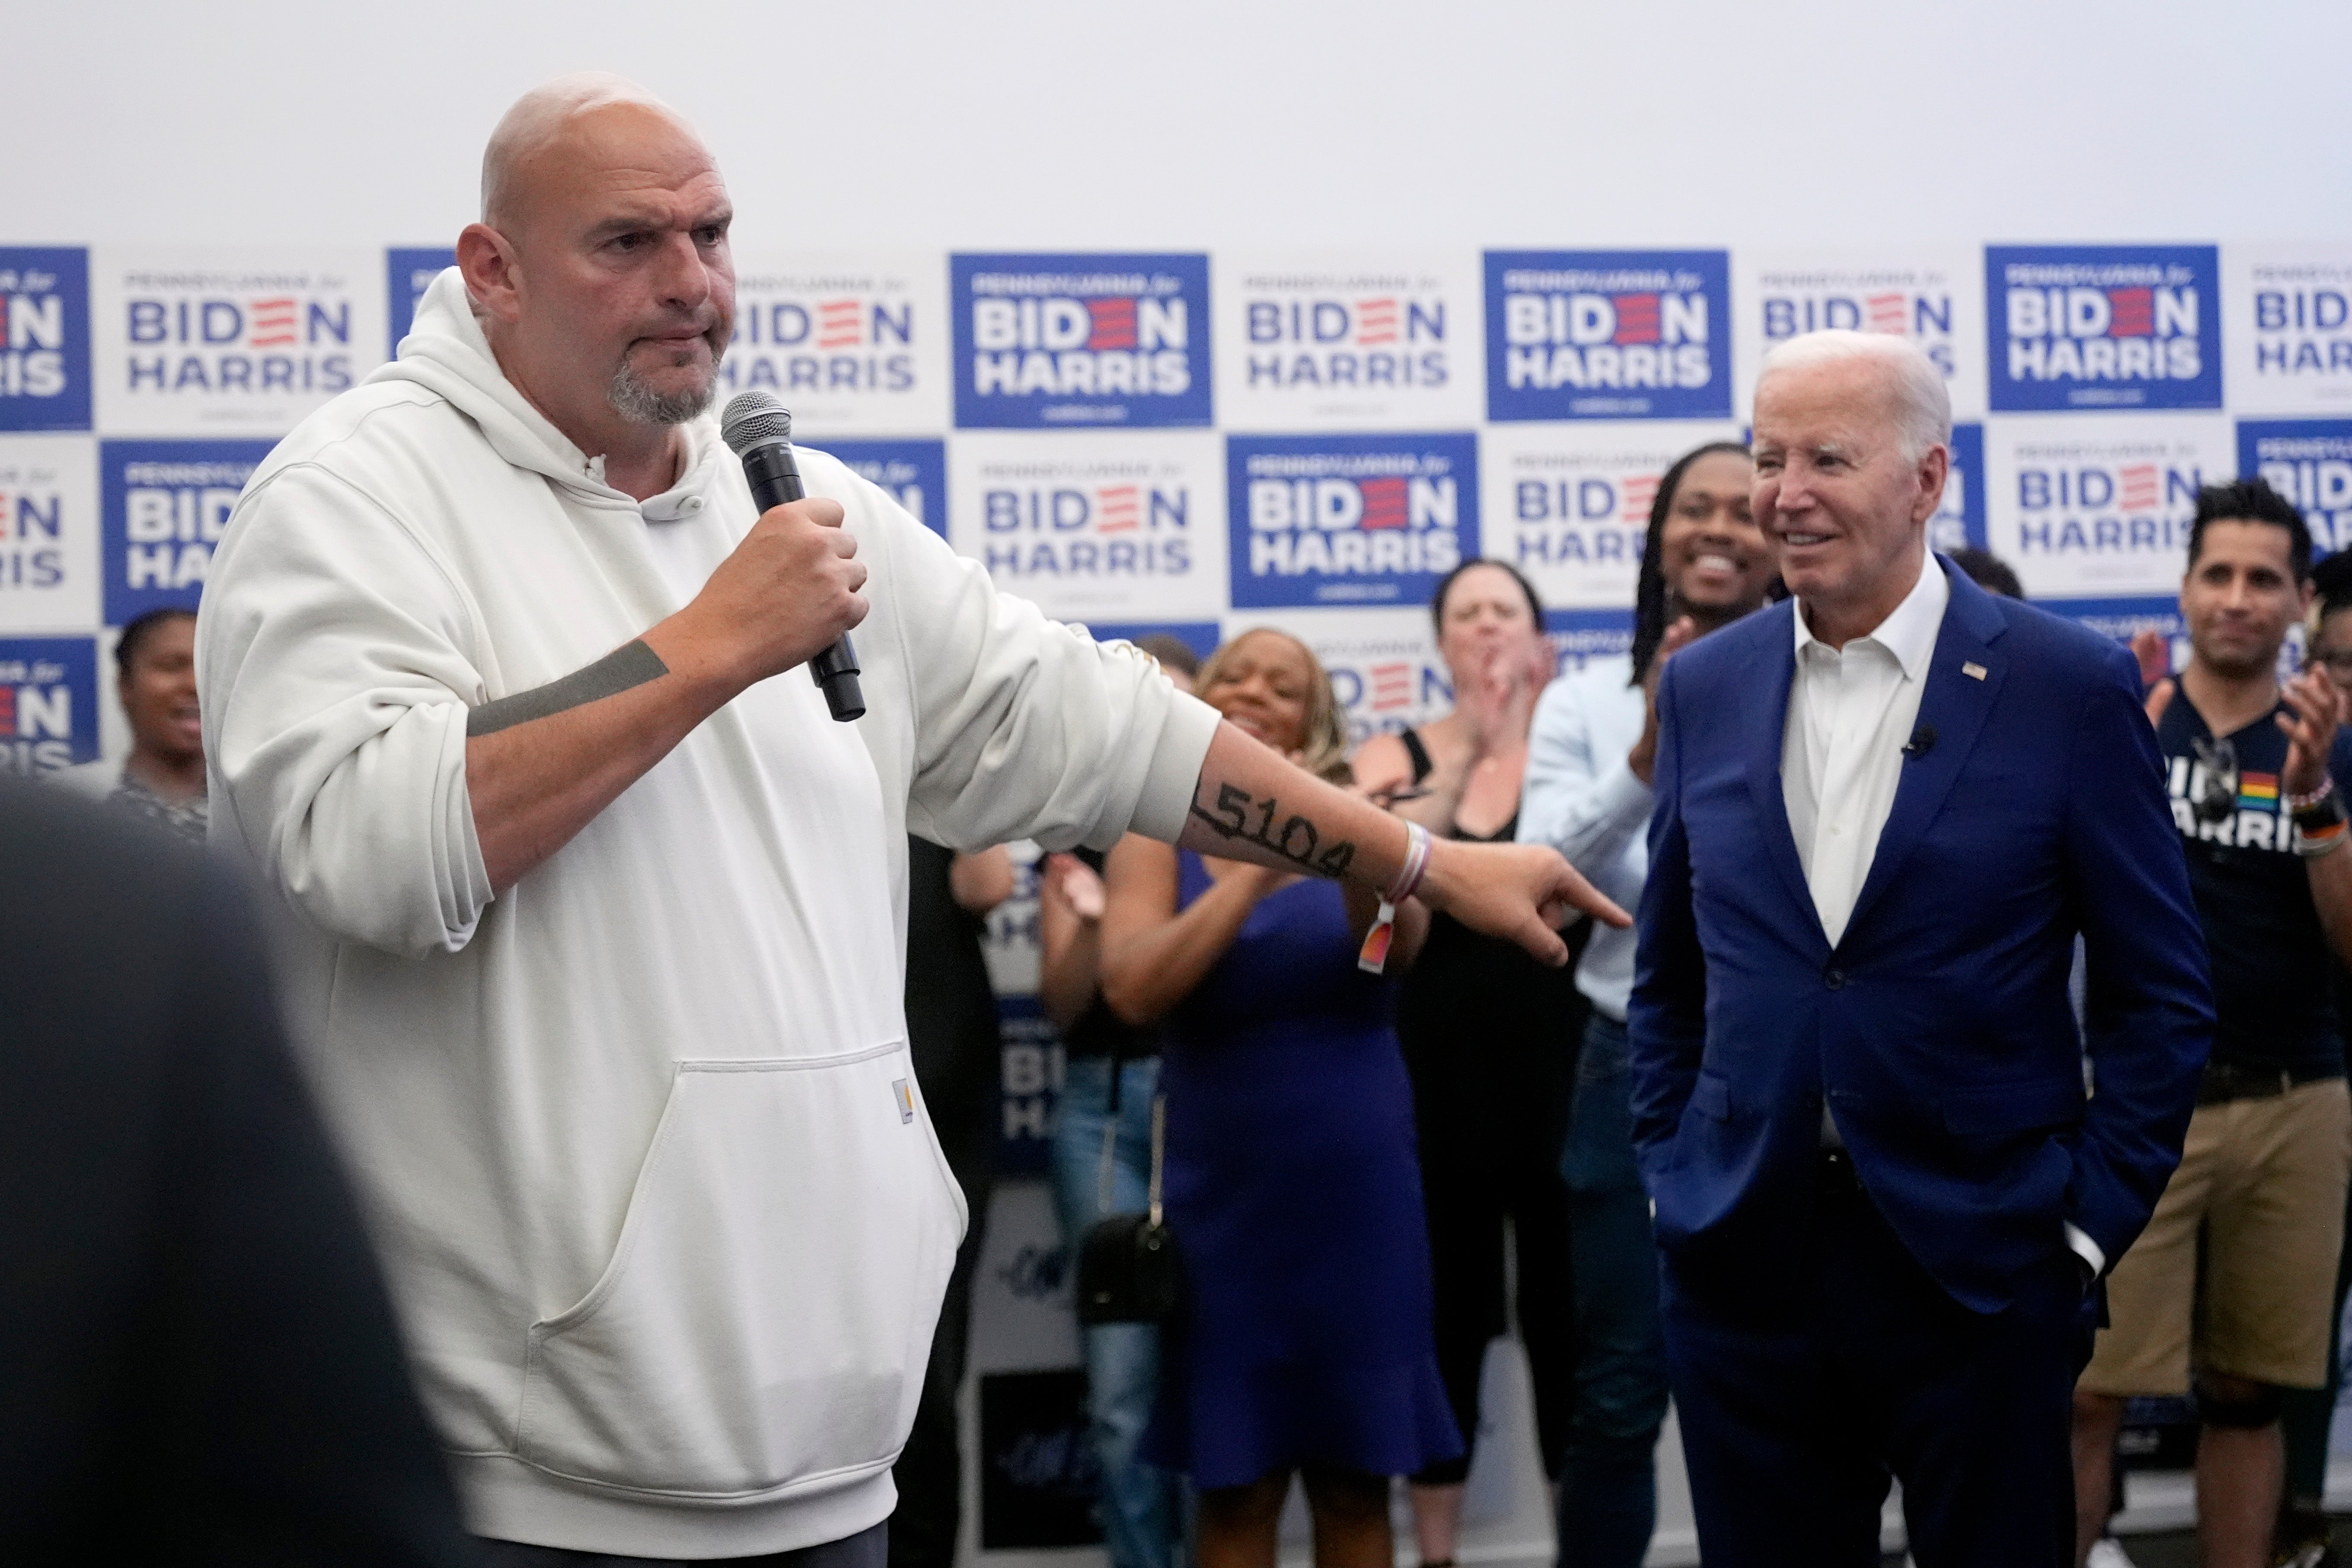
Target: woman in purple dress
<point x="1291" y="1182"/>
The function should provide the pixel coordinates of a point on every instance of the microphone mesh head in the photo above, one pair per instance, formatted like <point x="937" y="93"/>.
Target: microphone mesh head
<point x="754" y="419"/>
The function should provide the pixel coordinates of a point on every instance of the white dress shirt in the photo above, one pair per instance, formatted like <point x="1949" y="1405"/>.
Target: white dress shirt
<point x="1851" y="713"/>
<point x="1851" y="710"/>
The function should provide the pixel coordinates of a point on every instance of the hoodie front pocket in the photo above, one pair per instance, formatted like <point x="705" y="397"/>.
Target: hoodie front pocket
<point x="765" y="1317"/>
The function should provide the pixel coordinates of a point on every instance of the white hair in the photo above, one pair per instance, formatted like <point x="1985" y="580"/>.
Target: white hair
<point x="1922" y="407"/>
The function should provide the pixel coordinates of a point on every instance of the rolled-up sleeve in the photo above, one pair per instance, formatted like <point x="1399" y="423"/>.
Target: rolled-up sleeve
<point x="334" y="683"/>
<point x="1024" y="726"/>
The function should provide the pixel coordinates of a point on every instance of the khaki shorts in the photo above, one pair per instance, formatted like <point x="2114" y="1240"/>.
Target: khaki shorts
<point x="2264" y="1180"/>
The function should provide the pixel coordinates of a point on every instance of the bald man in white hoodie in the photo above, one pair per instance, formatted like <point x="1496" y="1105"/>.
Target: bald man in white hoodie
<point x="598" y="927"/>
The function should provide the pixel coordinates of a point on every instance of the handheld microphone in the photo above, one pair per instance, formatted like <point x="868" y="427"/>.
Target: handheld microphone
<point x="759" y="430"/>
<point x="1922" y="741"/>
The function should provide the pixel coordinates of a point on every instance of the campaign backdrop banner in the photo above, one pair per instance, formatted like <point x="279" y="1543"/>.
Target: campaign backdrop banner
<point x="407" y="274"/>
<point x="2289" y="315"/>
<point x="1608" y="334"/>
<point x="2086" y="508"/>
<point x="48" y="533"/>
<point x="167" y="504"/>
<point x="1051" y="341"/>
<point x="853" y="344"/>
<point x="45" y="375"/>
<point x="2308" y="461"/>
<point x="913" y="472"/>
<point x="212" y="342"/>
<point x="1347" y="342"/>
<point x="1091" y="526"/>
<point x="1569" y="505"/>
<point x="2103" y="326"/>
<point x="1349" y="519"/>
<point x="48" y="704"/>
<point x="1929" y="295"/>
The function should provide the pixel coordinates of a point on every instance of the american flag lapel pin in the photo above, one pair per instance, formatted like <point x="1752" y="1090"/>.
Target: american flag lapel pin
<point x="1973" y="670"/>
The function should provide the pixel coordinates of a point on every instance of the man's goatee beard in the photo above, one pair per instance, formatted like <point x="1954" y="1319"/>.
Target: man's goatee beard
<point x="639" y="403"/>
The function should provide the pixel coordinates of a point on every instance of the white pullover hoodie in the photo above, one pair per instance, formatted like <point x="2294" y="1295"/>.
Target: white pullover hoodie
<point x="640" y="1138"/>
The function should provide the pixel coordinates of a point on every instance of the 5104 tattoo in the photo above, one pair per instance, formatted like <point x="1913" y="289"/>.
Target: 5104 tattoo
<point x="1295" y="841"/>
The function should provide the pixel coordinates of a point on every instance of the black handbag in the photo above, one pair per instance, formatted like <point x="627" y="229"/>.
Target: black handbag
<point x="1130" y="1270"/>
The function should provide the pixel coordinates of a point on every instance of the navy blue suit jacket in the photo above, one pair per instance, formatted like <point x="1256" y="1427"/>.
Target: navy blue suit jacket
<point x="1938" y="1028"/>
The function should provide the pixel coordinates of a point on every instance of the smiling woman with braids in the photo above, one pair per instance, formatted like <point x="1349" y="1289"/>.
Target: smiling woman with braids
<point x="1291" y="1184"/>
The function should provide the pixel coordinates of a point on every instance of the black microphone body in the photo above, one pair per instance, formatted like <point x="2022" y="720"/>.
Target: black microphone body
<point x="775" y="479"/>
<point x="1922" y="741"/>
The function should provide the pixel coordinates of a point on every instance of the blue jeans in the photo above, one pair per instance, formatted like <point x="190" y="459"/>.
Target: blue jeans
<point x="1141" y="1505"/>
<point x="1609" y="1486"/>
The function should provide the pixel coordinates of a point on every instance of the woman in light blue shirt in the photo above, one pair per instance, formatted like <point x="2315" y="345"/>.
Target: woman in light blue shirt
<point x="1589" y="756"/>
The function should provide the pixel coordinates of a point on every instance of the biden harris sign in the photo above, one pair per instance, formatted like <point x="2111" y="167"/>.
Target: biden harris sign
<point x="1060" y="341"/>
<point x="1608" y="334"/>
<point x="1349" y="519"/>
<point x="2103" y="328"/>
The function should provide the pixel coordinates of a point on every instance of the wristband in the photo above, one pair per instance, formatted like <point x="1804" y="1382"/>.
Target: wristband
<point x="2313" y="844"/>
<point x="1374" y="956"/>
<point x="2300" y="803"/>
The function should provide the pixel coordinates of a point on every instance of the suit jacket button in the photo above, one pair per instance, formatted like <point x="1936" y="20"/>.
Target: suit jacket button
<point x="1834" y="978"/>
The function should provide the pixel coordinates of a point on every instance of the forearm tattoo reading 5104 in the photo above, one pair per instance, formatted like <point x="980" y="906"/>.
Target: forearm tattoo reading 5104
<point x="1296" y="841"/>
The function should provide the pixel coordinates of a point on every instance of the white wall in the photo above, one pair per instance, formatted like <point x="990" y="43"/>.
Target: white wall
<point x="1216" y="123"/>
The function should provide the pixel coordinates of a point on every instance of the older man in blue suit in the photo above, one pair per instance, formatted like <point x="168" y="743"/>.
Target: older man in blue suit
<point x="1885" y="811"/>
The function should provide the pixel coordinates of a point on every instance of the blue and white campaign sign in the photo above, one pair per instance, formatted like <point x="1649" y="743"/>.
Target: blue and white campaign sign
<point x="1094" y="526"/>
<point x="2289" y="315"/>
<point x="409" y="272"/>
<point x="231" y="343"/>
<point x="1319" y="341"/>
<point x="49" y="703"/>
<point x="1383" y="663"/>
<point x="2308" y="461"/>
<point x="167" y="502"/>
<point x="1349" y="519"/>
<point x="1958" y="522"/>
<point x="45" y="375"/>
<point x="1934" y="297"/>
<point x="1046" y="342"/>
<point x="915" y="472"/>
<point x="2086" y="507"/>
<point x="1569" y="505"/>
<point x="2103" y="326"/>
<point x="853" y="344"/>
<point x="48" y="533"/>
<point x="1608" y="334"/>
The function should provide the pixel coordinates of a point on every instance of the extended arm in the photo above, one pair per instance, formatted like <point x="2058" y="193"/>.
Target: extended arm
<point x="1252" y="805"/>
<point x="1665" y="1017"/>
<point x="2148" y="1009"/>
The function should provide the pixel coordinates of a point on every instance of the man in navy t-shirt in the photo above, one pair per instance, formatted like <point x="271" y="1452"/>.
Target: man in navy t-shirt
<point x="2257" y="770"/>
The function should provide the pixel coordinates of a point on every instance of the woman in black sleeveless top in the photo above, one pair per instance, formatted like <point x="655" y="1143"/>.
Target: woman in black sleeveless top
<point x="1489" y="1036"/>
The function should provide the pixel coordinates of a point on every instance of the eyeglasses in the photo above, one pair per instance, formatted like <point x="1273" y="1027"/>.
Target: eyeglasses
<point x="2214" y="792"/>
